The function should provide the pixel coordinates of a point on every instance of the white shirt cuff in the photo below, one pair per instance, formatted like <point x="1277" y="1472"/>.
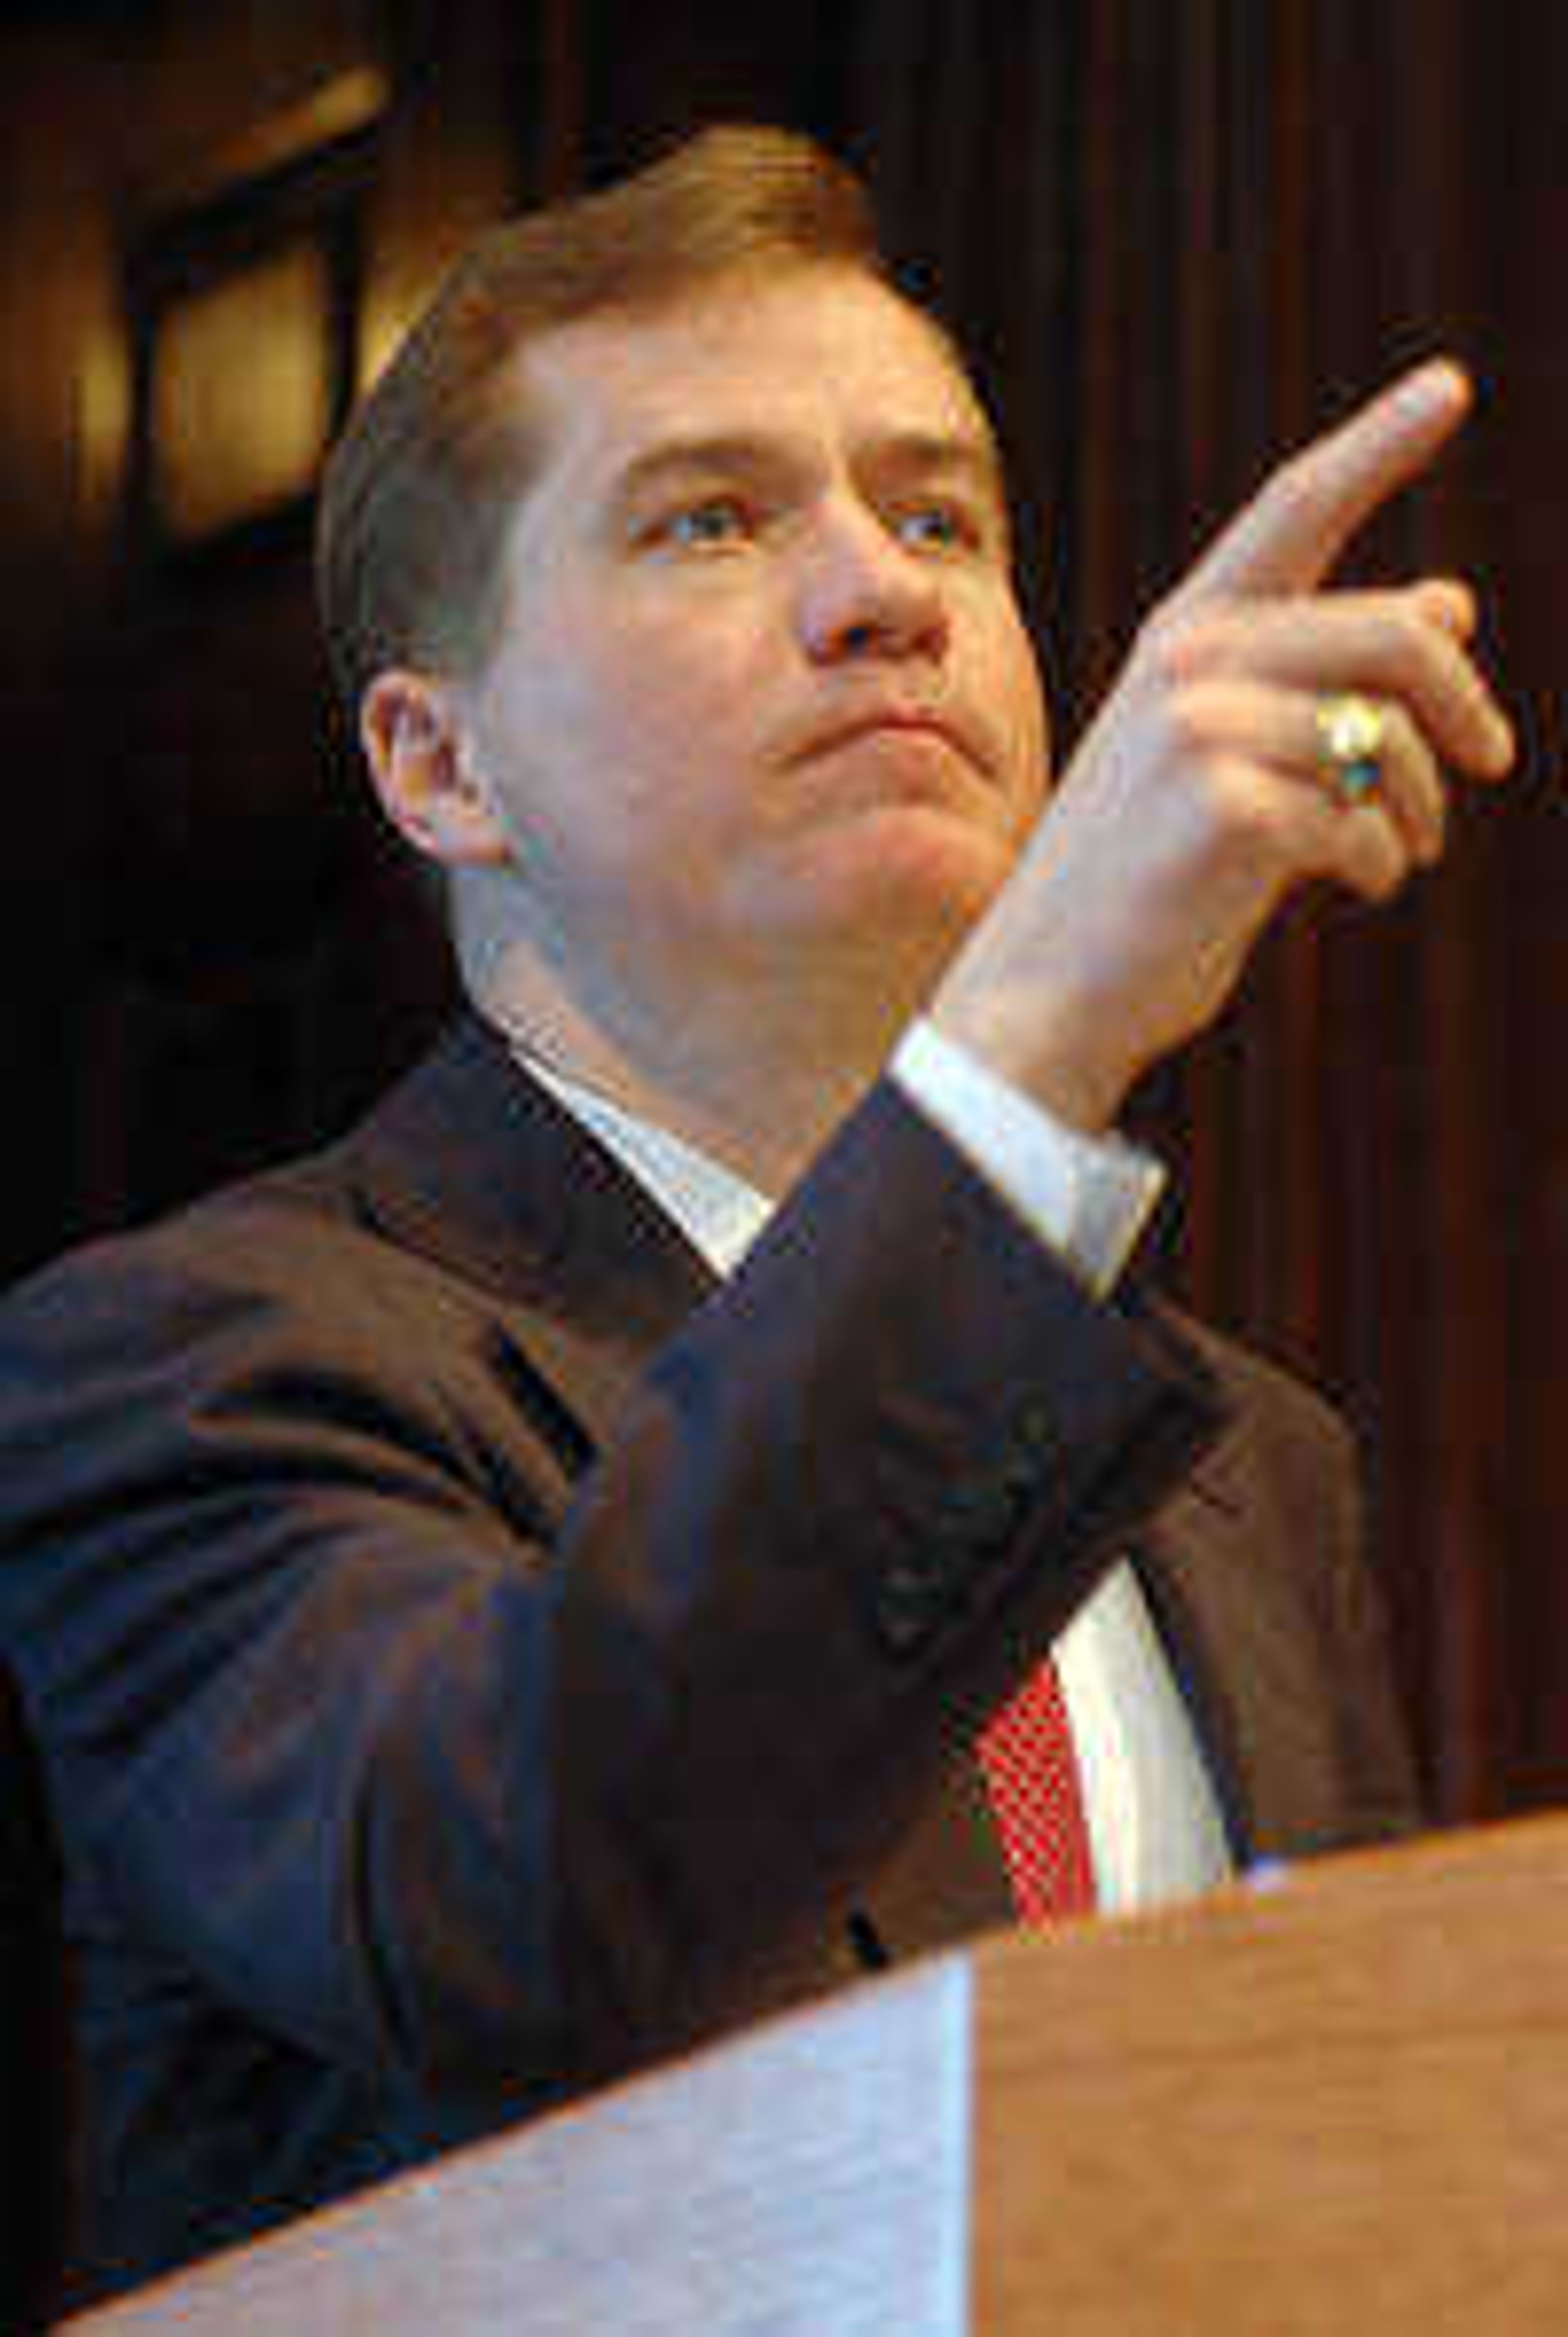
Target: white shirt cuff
<point x="1087" y="1197"/>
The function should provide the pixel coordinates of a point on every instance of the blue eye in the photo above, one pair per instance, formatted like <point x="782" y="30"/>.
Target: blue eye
<point x="936" y="527"/>
<point x="719" y="521"/>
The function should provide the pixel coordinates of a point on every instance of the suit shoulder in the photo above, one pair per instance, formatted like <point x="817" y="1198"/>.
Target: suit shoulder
<point x="1266" y="1399"/>
<point x="287" y="1247"/>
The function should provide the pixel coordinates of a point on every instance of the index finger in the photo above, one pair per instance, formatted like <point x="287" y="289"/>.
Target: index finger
<point x="1292" y="532"/>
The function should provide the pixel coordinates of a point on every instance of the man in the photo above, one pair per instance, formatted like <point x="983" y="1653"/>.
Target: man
<point x="567" y="1569"/>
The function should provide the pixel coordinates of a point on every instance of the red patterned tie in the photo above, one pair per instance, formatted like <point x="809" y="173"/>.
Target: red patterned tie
<point x="1031" y="1774"/>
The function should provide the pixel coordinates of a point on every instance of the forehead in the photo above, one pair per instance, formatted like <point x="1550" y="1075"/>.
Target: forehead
<point x="813" y="350"/>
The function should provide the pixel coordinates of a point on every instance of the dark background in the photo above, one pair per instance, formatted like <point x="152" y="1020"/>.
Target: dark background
<point x="1177" y="235"/>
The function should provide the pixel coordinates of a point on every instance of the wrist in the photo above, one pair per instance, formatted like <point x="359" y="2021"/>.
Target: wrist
<point x="1048" y="1055"/>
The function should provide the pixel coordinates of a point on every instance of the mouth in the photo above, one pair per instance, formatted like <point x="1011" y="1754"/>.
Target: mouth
<point x="891" y="723"/>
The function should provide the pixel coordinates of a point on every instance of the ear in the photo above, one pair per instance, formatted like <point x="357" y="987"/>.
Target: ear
<point x="413" y="738"/>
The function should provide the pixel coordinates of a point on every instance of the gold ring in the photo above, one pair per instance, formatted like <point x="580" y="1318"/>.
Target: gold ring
<point x="1352" y="733"/>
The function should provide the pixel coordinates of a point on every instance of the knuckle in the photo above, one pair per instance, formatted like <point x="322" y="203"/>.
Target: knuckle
<point x="1157" y="635"/>
<point x="1403" y="747"/>
<point x="1297" y="489"/>
<point x="1193" y="717"/>
<point x="1177" y="640"/>
<point x="1401" y="732"/>
<point x="1250" y="817"/>
<point x="1414" y="635"/>
<point x="1374" y="857"/>
<point x="1380" y="875"/>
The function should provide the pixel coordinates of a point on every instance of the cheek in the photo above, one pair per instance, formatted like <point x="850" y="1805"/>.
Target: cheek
<point x="655" y="687"/>
<point x="1016" y="708"/>
<point x="673" y="708"/>
<point x="1032" y="693"/>
<point x="619" y="780"/>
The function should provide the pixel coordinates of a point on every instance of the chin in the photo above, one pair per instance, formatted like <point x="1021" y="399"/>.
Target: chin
<point x="929" y="865"/>
<point x="895" y="893"/>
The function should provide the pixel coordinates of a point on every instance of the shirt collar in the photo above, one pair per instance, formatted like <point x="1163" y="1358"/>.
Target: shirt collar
<point x="718" y="1212"/>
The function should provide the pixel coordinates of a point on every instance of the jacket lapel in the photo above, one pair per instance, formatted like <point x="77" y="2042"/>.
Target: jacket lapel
<point x="478" y="1168"/>
<point x="1219" y="1572"/>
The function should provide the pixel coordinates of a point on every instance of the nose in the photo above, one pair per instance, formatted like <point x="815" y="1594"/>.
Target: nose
<point x="863" y="593"/>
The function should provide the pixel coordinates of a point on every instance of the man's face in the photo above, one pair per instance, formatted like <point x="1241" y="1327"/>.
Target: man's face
<point x="763" y="704"/>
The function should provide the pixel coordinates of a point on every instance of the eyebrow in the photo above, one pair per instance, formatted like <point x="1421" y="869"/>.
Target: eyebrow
<point x="916" y="454"/>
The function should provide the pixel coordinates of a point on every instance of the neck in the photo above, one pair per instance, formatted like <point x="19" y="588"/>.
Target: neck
<point x="757" y="1082"/>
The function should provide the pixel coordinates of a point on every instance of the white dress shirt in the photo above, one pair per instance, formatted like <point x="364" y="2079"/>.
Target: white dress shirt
<point x="1154" y="1827"/>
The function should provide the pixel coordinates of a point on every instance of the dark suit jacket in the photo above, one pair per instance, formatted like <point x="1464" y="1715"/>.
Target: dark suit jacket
<point x="472" y="1657"/>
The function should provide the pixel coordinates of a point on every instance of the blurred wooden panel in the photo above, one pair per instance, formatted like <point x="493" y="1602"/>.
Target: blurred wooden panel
<point x="1337" y="2104"/>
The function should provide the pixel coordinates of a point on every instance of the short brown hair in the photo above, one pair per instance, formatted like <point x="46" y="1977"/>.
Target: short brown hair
<point x="418" y="495"/>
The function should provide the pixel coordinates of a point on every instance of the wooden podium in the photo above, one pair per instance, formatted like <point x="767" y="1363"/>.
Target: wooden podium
<point x="1337" y="2105"/>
